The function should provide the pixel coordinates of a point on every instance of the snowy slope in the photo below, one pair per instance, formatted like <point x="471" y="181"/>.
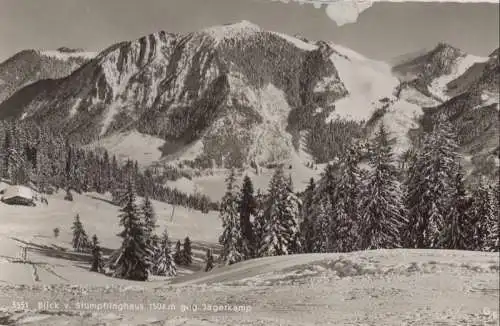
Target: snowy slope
<point x="386" y="287"/>
<point x="144" y="149"/>
<point x="367" y="81"/>
<point x="33" y="226"/>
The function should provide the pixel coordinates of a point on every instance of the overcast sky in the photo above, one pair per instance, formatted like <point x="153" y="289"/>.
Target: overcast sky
<point x="382" y="32"/>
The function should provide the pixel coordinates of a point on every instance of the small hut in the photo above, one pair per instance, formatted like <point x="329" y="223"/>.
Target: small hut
<point x="18" y="195"/>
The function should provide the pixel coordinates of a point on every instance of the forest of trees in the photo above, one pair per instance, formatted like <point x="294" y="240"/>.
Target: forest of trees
<point x="422" y="202"/>
<point x="32" y="154"/>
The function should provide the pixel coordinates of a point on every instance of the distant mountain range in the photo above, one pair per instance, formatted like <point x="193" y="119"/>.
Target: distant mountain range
<point x="236" y="94"/>
<point x="30" y="66"/>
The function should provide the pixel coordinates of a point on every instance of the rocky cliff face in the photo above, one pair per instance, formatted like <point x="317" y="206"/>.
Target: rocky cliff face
<point x="231" y="87"/>
<point x="237" y="94"/>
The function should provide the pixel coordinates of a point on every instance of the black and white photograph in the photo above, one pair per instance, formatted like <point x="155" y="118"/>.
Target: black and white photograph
<point x="249" y="163"/>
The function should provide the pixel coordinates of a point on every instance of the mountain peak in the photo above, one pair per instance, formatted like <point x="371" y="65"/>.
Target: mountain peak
<point x="447" y="49"/>
<point x="69" y="50"/>
<point x="495" y="53"/>
<point x="240" y="29"/>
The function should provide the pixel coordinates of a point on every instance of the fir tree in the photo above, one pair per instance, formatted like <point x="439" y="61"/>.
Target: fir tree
<point x="280" y="230"/>
<point x="429" y="187"/>
<point x="134" y="258"/>
<point x="231" y="238"/>
<point x="456" y="232"/>
<point x="178" y="253"/>
<point x="164" y="264"/>
<point x="320" y="217"/>
<point x="247" y="210"/>
<point x="307" y="225"/>
<point x="492" y="240"/>
<point x="259" y="220"/>
<point x="80" y="240"/>
<point x="187" y="254"/>
<point x="322" y="240"/>
<point x="149" y="216"/>
<point x="483" y="217"/>
<point x="97" y="262"/>
<point x="381" y="209"/>
<point x="210" y="261"/>
<point x="344" y="216"/>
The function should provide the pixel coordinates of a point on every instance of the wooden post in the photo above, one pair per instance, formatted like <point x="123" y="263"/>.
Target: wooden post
<point x="173" y="210"/>
<point x="24" y="253"/>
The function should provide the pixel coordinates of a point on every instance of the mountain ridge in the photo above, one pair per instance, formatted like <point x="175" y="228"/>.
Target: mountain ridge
<point x="237" y="94"/>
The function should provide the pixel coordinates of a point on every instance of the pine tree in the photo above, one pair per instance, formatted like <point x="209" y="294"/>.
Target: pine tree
<point x="306" y="214"/>
<point x="456" y="232"/>
<point x="320" y="217"/>
<point x="231" y="238"/>
<point x="247" y="210"/>
<point x="344" y="222"/>
<point x="149" y="216"/>
<point x="210" y="261"/>
<point x="97" y="262"/>
<point x="322" y="240"/>
<point x="280" y="231"/>
<point x="80" y="240"/>
<point x="381" y="209"/>
<point x="178" y="253"/>
<point x="186" y="253"/>
<point x="259" y="221"/>
<point x="164" y="264"/>
<point x="483" y="217"/>
<point x="134" y="260"/>
<point x="429" y="187"/>
<point x="492" y="240"/>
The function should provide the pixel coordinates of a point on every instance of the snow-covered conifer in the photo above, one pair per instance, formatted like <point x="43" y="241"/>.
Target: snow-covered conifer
<point x="164" y="264"/>
<point x="483" y="217"/>
<point x="247" y="211"/>
<point x="210" y="261"/>
<point x="231" y="238"/>
<point x="282" y="208"/>
<point x="457" y="231"/>
<point x="429" y="187"/>
<point x="187" y="254"/>
<point x="149" y="216"/>
<point x="178" y="253"/>
<point x="80" y="239"/>
<point x="381" y="209"/>
<point x="97" y="262"/>
<point x="134" y="258"/>
<point x="344" y="224"/>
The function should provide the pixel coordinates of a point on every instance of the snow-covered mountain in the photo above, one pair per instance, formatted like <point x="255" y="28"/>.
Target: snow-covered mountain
<point x="229" y="87"/>
<point x="29" y="66"/>
<point x="237" y="94"/>
<point x="432" y="72"/>
<point x="474" y="111"/>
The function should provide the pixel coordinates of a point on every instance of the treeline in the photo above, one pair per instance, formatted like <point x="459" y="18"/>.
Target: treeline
<point x="325" y="141"/>
<point x="420" y="203"/>
<point x="33" y="154"/>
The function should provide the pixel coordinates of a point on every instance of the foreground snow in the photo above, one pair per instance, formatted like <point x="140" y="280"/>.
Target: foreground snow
<point x="387" y="287"/>
<point x="52" y="260"/>
<point x="383" y="287"/>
